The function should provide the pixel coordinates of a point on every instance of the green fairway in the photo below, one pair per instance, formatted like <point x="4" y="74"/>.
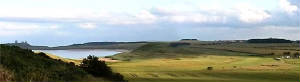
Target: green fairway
<point x="190" y="63"/>
<point x="194" y="69"/>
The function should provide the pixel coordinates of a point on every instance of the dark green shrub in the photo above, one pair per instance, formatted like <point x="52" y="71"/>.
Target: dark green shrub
<point x="97" y="68"/>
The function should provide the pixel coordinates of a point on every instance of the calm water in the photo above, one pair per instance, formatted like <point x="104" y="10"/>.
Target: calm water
<point x="81" y="53"/>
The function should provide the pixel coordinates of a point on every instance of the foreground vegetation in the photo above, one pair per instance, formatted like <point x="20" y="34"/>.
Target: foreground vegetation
<point x="229" y="62"/>
<point x="23" y="65"/>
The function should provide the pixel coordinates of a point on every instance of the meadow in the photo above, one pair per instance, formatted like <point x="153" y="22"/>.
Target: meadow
<point x="230" y="62"/>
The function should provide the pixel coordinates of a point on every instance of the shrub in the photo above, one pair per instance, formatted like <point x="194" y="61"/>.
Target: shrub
<point x="97" y="68"/>
<point x="209" y="68"/>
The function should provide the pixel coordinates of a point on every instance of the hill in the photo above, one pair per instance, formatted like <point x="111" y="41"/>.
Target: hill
<point x="228" y="62"/>
<point x="89" y="45"/>
<point x="23" y="65"/>
<point x="103" y="45"/>
<point x="269" y="40"/>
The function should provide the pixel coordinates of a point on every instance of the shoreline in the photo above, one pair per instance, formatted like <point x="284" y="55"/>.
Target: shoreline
<point x="78" y="61"/>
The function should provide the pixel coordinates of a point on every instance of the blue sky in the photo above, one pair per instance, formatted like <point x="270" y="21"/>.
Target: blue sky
<point x="64" y="22"/>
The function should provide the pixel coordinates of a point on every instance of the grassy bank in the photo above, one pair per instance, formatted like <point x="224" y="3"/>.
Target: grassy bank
<point x="22" y="65"/>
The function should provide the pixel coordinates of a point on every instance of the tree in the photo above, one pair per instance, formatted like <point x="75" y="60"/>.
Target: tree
<point x="97" y="68"/>
<point x="92" y="65"/>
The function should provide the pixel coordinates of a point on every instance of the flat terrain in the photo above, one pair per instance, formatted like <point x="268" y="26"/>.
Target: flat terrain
<point x="231" y="62"/>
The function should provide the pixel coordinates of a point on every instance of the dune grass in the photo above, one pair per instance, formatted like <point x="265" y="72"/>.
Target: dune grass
<point x="75" y="61"/>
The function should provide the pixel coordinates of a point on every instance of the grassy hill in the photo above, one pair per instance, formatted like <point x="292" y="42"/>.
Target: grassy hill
<point x="89" y="45"/>
<point x="237" y="62"/>
<point x="22" y="65"/>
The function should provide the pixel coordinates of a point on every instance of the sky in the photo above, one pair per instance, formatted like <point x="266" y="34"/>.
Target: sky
<point x="64" y="22"/>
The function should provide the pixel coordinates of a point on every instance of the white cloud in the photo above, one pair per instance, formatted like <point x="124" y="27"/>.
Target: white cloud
<point x="143" y="17"/>
<point x="16" y="26"/>
<point x="146" y="17"/>
<point x="87" y="25"/>
<point x="194" y="18"/>
<point x="38" y="12"/>
<point x="240" y="15"/>
<point x="8" y="28"/>
<point x="287" y="6"/>
<point x="250" y="14"/>
<point x="54" y="27"/>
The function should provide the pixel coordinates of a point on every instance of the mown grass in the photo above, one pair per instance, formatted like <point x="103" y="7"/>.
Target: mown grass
<point x="230" y="69"/>
<point x="158" y="62"/>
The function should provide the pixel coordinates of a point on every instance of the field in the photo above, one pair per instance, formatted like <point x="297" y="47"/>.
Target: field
<point x="234" y="62"/>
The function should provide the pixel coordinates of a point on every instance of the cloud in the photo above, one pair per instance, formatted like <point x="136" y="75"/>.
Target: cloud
<point x="146" y="17"/>
<point x="189" y="16"/>
<point x="8" y="28"/>
<point x="240" y="15"/>
<point x="88" y="25"/>
<point x="143" y="17"/>
<point x="16" y="26"/>
<point x="54" y="27"/>
<point x="288" y="7"/>
<point x="249" y="14"/>
<point x="193" y="18"/>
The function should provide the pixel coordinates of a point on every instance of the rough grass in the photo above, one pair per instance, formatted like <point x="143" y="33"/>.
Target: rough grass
<point x="241" y="62"/>
<point x="256" y="48"/>
<point x="231" y="69"/>
<point x="77" y="62"/>
<point x="158" y="62"/>
<point x="5" y="75"/>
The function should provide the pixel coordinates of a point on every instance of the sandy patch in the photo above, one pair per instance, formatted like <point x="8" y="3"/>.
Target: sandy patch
<point x="108" y="60"/>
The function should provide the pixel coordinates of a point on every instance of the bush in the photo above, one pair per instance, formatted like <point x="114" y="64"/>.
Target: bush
<point x="97" y="68"/>
<point x="209" y="68"/>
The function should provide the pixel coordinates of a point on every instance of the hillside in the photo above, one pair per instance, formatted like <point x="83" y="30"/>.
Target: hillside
<point x="189" y="62"/>
<point x="103" y="45"/>
<point x="23" y="65"/>
<point x="25" y="45"/>
<point x="191" y="49"/>
<point x="89" y="45"/>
